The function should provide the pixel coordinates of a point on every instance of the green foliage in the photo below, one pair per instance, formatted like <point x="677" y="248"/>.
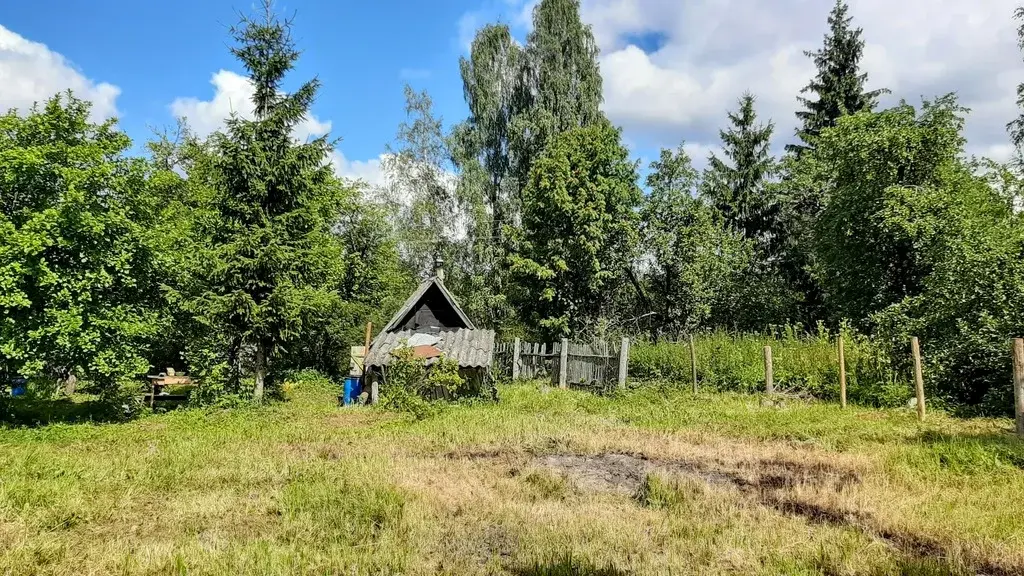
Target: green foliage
<point x="913" y="241"/>
<point x="873" y="165"/>
<point x="78" y="262"/>
<point x="802" y="363"/>
<point x="738" y="187"/>
<point x="562" y="82"/>
<point x="694" y="258"/>
<point x="1016" y="127"/>
<point x="271" y="259"/>
<point x="519" y="98"/>
<point x="419" y="188"/>
<point x="579" y="229"/>
<point x="487" y="187"/>
<point x="409" y="385"/>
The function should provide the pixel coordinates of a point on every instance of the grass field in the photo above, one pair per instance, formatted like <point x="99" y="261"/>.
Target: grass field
<point x="652" y="481"/>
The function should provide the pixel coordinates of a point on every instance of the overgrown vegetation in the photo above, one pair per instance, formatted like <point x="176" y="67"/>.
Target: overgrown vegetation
<point x="802" y="364"/>
<point x="409" y="385"/>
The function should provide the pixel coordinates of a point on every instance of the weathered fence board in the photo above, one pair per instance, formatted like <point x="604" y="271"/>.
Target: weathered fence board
<point x="580" y="364"/>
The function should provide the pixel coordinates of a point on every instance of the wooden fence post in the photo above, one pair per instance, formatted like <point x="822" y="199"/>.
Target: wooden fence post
<point x="563" y="364"/>
<point x="374" y="393"/>
<point x="842" y="373"/>
<point x="623" y="362"/>
<point x="515" y="359"/>
<point x="693" y="364"/>
<point x="769" y="378"/>
<point x="915" y="347"/>
<point x="1018" y="383"/>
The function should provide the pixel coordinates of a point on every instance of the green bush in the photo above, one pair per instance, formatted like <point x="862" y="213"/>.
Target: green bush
<point x="802" y="362"/>
<point x="408" y="385"/>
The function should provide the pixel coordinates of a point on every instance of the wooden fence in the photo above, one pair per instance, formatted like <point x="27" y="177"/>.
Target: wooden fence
<point x="576" y="364"/>
<point x="598" y="365"/>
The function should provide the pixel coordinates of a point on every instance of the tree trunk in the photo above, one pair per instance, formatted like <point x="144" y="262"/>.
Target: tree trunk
<point x="261" y="372"/>
<point x="70" y="383"/>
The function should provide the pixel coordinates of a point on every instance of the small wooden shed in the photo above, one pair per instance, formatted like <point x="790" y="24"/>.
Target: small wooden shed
<point x="431" y="318"/>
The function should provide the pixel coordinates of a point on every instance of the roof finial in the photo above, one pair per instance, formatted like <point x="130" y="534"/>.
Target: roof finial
<point x="439" y="268"/>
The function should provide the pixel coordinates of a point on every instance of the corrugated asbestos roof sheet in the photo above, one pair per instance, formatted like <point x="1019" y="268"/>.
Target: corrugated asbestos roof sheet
<point x="470" y="348"/>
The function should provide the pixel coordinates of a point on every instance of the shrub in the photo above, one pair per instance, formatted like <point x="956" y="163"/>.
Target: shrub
<point x="408" y="384"/>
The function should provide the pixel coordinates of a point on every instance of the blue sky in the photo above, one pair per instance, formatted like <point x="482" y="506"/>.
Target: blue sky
<point x="671" y="68"/>
<point x="156" y="52"/>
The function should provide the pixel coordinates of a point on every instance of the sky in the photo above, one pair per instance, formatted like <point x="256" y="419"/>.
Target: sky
<point x="671" y="68"/>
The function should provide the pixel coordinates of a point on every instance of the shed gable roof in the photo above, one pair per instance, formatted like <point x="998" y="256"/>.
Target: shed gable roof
<point x="417" y="296"/>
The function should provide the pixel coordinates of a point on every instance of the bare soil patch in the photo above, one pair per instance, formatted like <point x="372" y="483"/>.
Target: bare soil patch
<point x="623" y="473"/>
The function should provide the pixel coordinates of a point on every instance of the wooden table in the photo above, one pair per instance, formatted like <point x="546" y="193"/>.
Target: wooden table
<point x="160" y="381"/>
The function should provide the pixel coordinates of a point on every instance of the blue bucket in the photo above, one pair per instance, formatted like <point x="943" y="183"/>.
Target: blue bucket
<point x="18" y="386"/>
<point x="353" y="388"/>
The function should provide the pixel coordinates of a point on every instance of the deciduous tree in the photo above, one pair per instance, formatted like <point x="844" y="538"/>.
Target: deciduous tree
<point x="79" y="272"/>
<point x="579" y="230"/>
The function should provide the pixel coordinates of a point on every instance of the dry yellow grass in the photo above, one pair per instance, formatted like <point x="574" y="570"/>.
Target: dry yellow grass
<point x="653" y="481"/>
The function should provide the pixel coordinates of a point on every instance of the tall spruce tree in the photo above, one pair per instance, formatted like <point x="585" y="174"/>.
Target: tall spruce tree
<point x="272" y="203"/>
<point x="738" y="184"/>
<point x="838" y="88"/>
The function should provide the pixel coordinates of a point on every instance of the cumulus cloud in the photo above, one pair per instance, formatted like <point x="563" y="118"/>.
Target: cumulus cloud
<point x="30" y="72"/>
<point x="233" y="95"/>
<point x="672" y="69"/>
<point x="710" y="51"/>
<point x="368" y="171"/>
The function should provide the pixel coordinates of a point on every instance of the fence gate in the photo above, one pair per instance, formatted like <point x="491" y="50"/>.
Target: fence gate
<point x="591" y="365"/>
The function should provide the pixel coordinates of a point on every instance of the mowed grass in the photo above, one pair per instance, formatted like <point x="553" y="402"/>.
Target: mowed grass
<point x="650" y="481"/>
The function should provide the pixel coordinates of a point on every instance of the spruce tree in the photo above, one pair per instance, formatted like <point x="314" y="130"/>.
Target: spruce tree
<point x="272" y="206"/>
<point x="838" y="87"/>
<point x="737" y="185"/>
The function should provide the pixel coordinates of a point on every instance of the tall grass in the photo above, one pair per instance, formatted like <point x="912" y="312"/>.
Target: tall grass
<point x="802" y="362"/>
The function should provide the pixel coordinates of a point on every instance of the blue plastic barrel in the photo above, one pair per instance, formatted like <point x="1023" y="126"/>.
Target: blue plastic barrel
<point x="353" y="389"/>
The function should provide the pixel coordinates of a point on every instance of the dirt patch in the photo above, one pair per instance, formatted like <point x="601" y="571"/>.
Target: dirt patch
<point x="623" y="473"/>
<point x="910" y="544"/>
<point x="619" y="473"/>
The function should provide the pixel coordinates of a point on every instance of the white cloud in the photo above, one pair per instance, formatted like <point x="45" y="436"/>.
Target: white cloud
<point x="30" y="72"/>
<point x="712" y="50"/>
<point x="368" y="171"/>
<point x="233" y="95"/>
